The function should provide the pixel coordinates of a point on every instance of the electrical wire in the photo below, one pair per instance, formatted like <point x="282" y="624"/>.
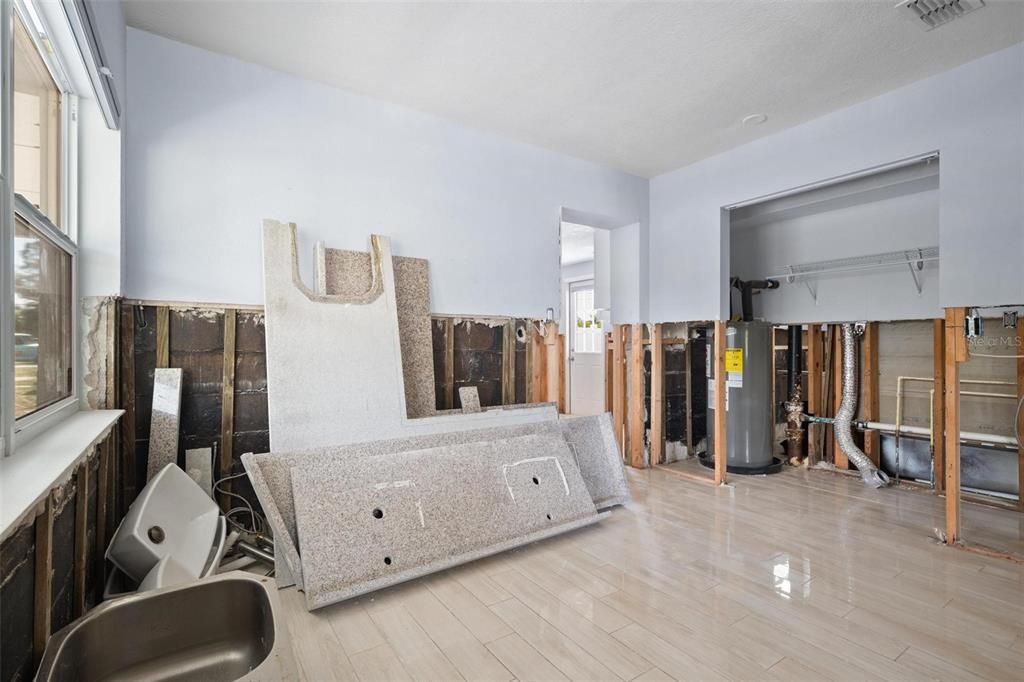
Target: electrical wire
<point x="257" y="521"/>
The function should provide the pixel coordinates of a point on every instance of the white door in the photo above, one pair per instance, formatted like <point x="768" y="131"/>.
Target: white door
<point x="586" y="352"/>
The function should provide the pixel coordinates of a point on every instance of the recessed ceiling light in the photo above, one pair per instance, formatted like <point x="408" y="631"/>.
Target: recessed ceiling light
<point x="754" y="119"/>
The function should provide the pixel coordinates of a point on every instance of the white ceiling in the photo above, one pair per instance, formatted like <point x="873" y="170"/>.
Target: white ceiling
<point x="643" y="87"/>
<point x="577" y="243"/>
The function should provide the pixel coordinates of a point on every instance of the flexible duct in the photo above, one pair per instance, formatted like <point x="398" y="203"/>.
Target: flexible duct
<point x="844" y="416"/>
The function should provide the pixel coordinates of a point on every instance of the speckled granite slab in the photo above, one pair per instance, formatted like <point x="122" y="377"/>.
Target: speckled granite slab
<point x="270" y="474"/>
<point x="354" y="391"/>
<point x="469" y="397"/>
<point x="367" y="523"/>
<point x="163" y="430"/>
<point x="592" y="440"/>
<point x="346" y="273"/>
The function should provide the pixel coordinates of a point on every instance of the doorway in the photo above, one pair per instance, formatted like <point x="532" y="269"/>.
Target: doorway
<point x="583" y="322"/>
<point x="586" y="351"/>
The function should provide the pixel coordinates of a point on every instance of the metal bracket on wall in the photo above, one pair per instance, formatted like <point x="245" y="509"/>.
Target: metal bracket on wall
<point x="919" y="264"/>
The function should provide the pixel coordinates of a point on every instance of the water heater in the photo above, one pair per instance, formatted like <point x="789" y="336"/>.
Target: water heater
<point x="750" y="422"/>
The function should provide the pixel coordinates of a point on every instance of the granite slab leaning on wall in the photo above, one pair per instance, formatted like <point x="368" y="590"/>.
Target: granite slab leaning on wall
<point x="470" y="399"/>
<point x="163" y="429"/>
<point x="334" y="362"/>
<point x="595" y="454"/>
<point x="350" y="273"/>
<point x="368" y="523"/>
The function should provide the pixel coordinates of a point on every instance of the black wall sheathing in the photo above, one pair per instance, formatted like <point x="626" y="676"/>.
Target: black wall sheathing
<point x="478" y="349"/>
<point x="93" y="557"/>
<point x="699" y="385"/>
<point x="675" y="394"/>
<point x="196" y="344"/>
<point x="62" y="593"/>
<point x="17" y="578"/>
<point x="437" y="342"/>
<point x="144" y="345"/>
<point x="522" y="335"/>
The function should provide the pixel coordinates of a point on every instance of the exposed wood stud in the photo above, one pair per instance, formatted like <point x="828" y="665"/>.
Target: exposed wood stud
<point x="814" y="392"/>
<point x="563" y="398"/>
<point x="838" y="456"/>
<point x="163" y="336"/>
<point x="449" y="363"/>
<point x="553" y="379"/>
<point x="657" y="396"/>
<point x="828" y="379"/>
<point x="81" y="556"/>
<point x="508" y="363"/>
<point x="126" y="466"/>
<point x="955" y="349"/>
<point x="636" y="397"/>
<point x="227" y="415"/>
<point x="538" y="365"/>
<point x="688" y="359"/>
<point x="869" y="392"/>
<point x="43" y="585"/>
<point x="721" y="444"/>
<point x="1020" y="412"/>
<point x="528" y="359"/>
<point x="110" y="394"/>
<point x="609" y="363"/>
<point x="103" y="490"/>
<point x="619" y="385"/>
<point x="939" y="404"/>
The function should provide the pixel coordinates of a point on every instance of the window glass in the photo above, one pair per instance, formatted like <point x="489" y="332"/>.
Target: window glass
<point x="589" y="337"/>
<point x="42" y="320"/>
<point x="37" y="127"/>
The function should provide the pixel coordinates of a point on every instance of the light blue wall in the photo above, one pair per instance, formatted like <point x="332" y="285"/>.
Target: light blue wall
<point x="973" y="115"/>
<point x="214" y="145"/>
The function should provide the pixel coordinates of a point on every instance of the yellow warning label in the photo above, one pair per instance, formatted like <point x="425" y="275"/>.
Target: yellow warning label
<point x="733" y="359"/>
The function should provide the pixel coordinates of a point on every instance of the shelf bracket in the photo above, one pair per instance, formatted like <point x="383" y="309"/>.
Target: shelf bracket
<point x="813" y="290"/>
<point x="917" y="263"/>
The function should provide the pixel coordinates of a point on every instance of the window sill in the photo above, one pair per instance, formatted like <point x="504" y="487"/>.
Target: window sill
<point x="49" y="459"/>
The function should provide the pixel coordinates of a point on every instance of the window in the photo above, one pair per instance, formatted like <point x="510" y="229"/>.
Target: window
<point x="42" y="320"/>
<point x="39" y="250"/>
<point x="588" y="336"/>
<point x="37" y="127"/>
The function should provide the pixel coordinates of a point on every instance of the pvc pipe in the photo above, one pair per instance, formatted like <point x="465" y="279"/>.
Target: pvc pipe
<point x="931" y="406"/>
<point x="922" y="431"/>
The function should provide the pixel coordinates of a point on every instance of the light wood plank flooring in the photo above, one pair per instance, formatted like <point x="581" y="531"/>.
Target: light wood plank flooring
<point x="804" y="575"/>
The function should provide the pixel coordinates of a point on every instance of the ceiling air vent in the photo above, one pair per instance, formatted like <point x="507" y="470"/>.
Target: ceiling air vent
<point x="929" y="14"/>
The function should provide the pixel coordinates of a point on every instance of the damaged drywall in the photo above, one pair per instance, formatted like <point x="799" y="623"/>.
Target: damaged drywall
<point x="99" y="339"/>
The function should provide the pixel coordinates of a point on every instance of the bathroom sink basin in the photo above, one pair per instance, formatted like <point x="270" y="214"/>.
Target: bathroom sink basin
<point x="228" y="627"/>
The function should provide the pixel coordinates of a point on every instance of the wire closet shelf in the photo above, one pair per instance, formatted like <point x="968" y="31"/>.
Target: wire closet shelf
<point x="913" y="259"/>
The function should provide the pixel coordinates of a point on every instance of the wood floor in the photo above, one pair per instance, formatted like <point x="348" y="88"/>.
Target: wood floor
<point x="797" y="576"/>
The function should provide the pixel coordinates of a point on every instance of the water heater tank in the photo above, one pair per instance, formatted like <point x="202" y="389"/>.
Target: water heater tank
<point x="749" y="420"/>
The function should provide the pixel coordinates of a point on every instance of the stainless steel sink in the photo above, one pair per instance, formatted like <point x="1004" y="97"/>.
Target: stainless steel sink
<point x="228" y="627"/>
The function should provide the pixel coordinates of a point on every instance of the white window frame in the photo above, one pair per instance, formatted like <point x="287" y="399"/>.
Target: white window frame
<point x="18" y="431"/>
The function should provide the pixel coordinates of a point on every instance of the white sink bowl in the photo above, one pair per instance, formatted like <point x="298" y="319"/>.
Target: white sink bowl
<point x="171" y="518"/>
